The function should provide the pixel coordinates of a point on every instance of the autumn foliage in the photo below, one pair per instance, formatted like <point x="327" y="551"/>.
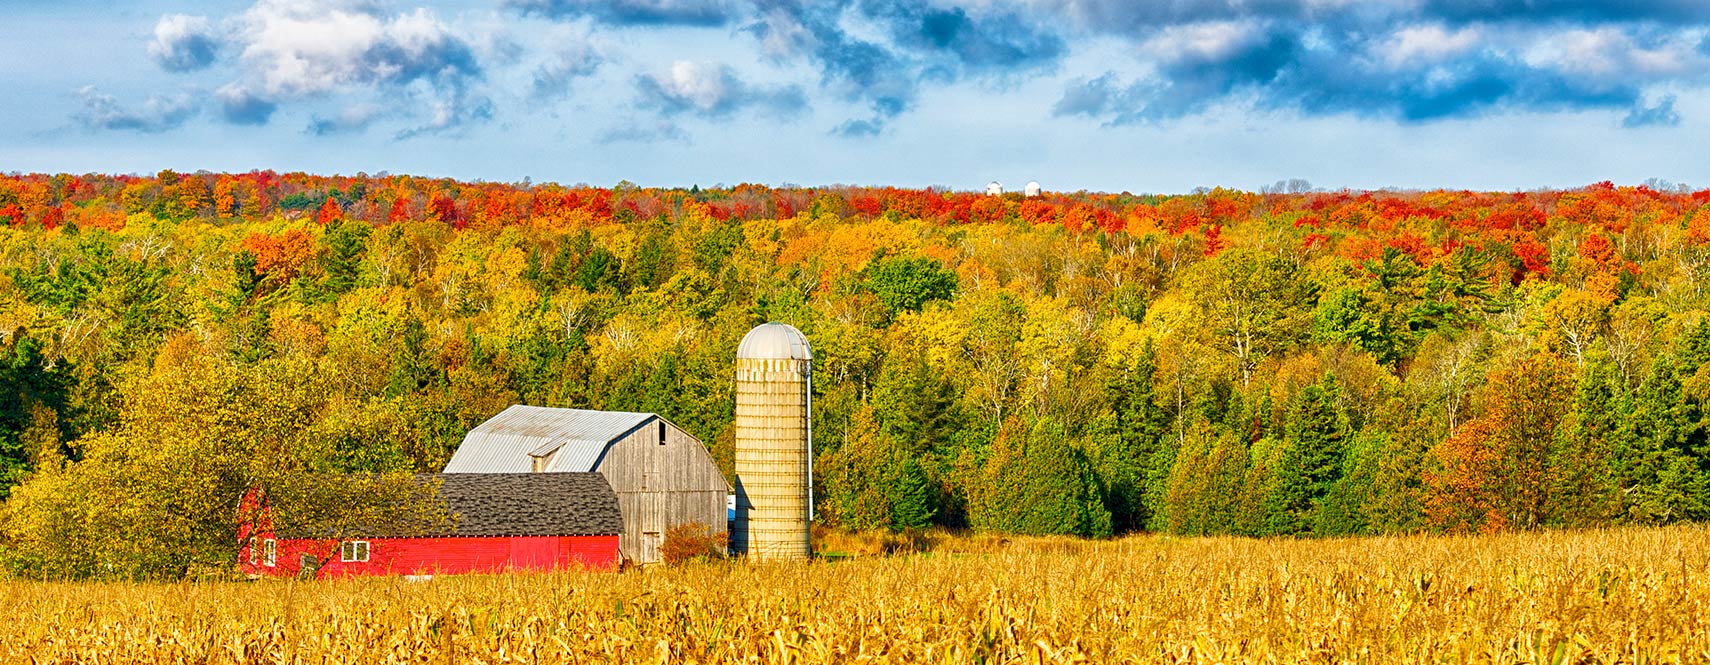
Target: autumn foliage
<point x="692" y="541"/>
<point x="1259" y="363"/>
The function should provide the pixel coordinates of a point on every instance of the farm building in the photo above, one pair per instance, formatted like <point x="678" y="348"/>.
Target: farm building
<point x="774" y="447"/>
<point x="498" y="522"/>
<point x="663" y="476"/>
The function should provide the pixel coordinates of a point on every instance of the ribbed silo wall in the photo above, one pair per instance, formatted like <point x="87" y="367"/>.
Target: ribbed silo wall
<point x="772" y="458"/>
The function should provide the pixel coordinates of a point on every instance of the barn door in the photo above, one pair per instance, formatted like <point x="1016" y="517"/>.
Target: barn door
<point x="650" y="542"/>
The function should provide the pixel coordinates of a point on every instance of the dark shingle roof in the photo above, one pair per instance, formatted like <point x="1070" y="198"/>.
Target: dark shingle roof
<point x="485" y="505"/>
<point x="529" y="504"/>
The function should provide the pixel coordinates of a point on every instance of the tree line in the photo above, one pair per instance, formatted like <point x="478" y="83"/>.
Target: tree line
<point x="1222" y="362"/>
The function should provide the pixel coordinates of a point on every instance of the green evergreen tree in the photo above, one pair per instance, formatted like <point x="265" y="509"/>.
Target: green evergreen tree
<point x="872" y="481"/>
<point x="341" y="261"/>
<point x="412" y="368"/>
<point x="28" y="384"/>
<point x="1134" y="466"/>
<point x="1584" y="482"/>
<point x="1037" y="482"/>
<point x="1311" y="461"/>
<point x="655" y="259"/>
<point x="1208" y="484"/>
<point x="1660" y="477"/>
<point x="1344" y="510"/>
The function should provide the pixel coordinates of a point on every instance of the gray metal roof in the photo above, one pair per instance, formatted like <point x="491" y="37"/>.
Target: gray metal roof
<point x="509" y="442"/>
<point x="775" y="341"/>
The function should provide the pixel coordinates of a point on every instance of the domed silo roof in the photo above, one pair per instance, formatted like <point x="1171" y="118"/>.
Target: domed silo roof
<point x="1032" y="188"/>
<point x="774" y="341"/>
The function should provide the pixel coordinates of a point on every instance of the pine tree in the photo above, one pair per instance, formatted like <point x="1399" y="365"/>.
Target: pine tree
<point x="347" y="242"/>
<point x="1660" y="477"/>
<point x="873" y="481"/>
<point x="1311" y="459"/>
<point x="1037" y="482"/>
<point x="1584" y="486"/>
<point x="1207" y="484"/>
<point x="1133" y="466"/>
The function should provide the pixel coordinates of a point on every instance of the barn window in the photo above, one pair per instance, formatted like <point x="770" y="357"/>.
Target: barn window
<point x="354" y="550"/>
<point x="662" y="433"/>
<point x="270" y="552"/>
<point x="254" y="544"/>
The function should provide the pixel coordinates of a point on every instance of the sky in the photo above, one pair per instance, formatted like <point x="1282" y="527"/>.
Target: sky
<point x="1103" y="95"/>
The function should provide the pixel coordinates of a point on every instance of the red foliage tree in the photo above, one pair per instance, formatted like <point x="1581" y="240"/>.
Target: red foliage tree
<point x="13" y="214"/>
<point x="1214" y="241"/>
<point x="329" y="212"/>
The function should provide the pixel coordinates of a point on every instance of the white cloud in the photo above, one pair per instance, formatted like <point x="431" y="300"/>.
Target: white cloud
<point x="782" y="34"/>
<point x="574" y="61"/>
<point x="241" y="106"/>
<point x="712" y="89"/>
<point x="294" y="55"/>
<point x="1427" y="44"/>
<point x="1210" y="41"/>
<point x="158" y="113"/>
<point x="703" y="85"/>
<point x="357" y="52"/>
<point x="1610" y="53"/>
<point x="350" y="119"/>
<point x="183" y="43"/>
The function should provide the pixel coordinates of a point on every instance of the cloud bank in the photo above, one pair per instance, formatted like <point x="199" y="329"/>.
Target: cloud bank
<point x="869" y="62"/>
<point x="158" y="113"/>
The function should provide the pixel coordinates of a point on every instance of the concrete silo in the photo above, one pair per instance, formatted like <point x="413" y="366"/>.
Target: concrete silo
<point x="774" y="456"/>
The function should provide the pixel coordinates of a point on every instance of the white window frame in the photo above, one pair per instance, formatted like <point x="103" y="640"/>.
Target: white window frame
<point x="353" y="551"/>
<point x="270" y="552"/>
<point x="254" y="549"/>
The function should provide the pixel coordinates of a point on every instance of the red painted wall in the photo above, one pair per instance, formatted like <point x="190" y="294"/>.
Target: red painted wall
<point x="418" y="556"/>
<point x="445" y="556"/>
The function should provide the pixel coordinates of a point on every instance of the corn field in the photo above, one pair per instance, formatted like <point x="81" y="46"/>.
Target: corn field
<point x="1632" y="596"/>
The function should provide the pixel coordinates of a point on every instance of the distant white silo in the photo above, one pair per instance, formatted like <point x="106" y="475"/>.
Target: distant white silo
<point x="774" y="450"/>
<point x="994" y="188"/>
<point x="1032" y="189"/>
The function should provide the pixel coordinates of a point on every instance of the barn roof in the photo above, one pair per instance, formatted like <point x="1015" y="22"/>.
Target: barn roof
<point x="508" y="442"/>
<point x="495" y="504"/>
<point x="529" y="504"/>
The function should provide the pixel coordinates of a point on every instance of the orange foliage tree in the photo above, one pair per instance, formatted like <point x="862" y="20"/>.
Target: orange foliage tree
<point x="282" y="255"/>
<point x="1491" y="474"/>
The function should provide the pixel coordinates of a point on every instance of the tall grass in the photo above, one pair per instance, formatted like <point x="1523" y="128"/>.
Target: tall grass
<point x="1604" y="596"/>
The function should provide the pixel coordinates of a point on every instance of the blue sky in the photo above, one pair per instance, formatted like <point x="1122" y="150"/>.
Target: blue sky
<point x="1077" y="94"/>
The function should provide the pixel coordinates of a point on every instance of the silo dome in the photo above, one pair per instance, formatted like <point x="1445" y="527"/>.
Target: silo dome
<point x="994" y="188"/>
<point x="1032" y="188"/>
<point x="774" y="341"/>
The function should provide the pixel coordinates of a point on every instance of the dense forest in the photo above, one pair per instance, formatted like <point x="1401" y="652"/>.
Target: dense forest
<point x="1273" y="363"/>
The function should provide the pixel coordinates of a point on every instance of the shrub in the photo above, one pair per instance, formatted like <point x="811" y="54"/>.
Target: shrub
<point x="692" y="541"/>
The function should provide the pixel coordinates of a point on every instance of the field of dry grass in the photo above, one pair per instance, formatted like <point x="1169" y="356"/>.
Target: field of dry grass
<point x="1634" y="596"/>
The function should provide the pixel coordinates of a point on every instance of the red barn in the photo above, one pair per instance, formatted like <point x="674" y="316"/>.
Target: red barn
<point x="499" y="522"/>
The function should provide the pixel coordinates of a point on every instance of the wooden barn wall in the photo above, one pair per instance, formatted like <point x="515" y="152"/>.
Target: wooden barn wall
<point x="661" y="486"/>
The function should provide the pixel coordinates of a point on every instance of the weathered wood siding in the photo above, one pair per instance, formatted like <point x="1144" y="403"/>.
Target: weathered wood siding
<point x="661" y="486"/>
